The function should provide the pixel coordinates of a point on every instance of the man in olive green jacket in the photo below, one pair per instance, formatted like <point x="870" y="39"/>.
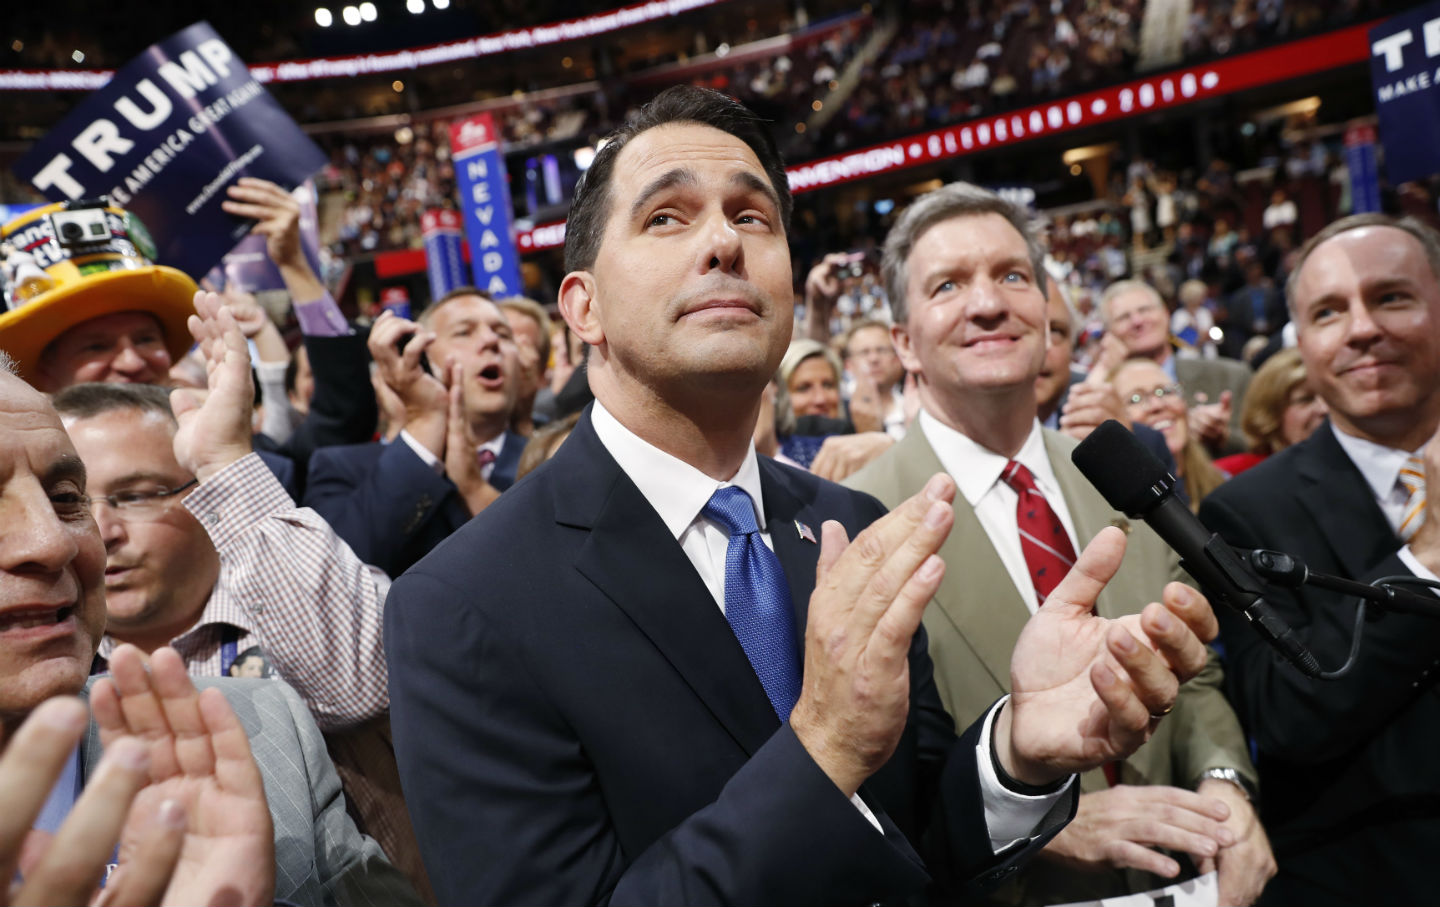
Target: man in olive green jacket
<point x="964" y="273"/>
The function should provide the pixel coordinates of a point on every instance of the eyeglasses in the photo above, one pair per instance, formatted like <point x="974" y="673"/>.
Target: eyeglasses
<point x="140" y="505"/>
<point x="1159" y="393"/>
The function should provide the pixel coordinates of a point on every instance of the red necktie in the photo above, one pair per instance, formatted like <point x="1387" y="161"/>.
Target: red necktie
<point x="1047" y="548"/>
<point x="485" y="457"/>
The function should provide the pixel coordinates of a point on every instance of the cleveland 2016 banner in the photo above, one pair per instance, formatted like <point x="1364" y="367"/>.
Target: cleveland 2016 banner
<point x="165" y="137"/>
<point x="485" y="201"/>
<point x="1405" y="69"/>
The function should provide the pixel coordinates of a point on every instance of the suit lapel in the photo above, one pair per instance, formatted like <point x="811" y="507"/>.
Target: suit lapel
<point x="977" y="594"/>
<point x="634" y="561"/>
<point x="1332" y="484"/>
<point x="784" y="514"/>
<point x="507" y="461"/>
<point x="1088" y="512"/>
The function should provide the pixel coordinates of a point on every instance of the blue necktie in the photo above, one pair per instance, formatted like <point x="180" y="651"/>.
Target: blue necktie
<point x="757" y="599"/>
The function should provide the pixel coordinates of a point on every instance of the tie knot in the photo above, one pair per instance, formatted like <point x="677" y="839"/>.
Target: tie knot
<point x="1412" y="474"/>
<point x="485" y="456"/>
<point x="732" y="508"/>
<point x="1019" y="478"/>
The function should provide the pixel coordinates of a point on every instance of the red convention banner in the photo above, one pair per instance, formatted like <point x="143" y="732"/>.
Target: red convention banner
<point x="395" y="61"/>
<point x="1140" y="96"/>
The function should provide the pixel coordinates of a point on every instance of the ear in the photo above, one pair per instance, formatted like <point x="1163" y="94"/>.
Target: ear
<point x="580" y="307"/>
<point x="900" y="337"/>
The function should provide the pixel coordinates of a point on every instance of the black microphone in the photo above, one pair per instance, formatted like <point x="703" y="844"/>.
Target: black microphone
<point x="1134" y="482"/>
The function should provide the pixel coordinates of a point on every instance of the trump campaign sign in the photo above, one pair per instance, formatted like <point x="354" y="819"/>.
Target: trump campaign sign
<point x="164" y="138"/>
<point x="485" y="202"/>
<point x="1405" y="70"/>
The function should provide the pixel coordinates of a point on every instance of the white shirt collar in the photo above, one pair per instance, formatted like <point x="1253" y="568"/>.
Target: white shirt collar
<point x="1380" y="465"/>
<point x="677" y="490"/>
<point x="493" y="445"/>
<point x="976" y="469"/>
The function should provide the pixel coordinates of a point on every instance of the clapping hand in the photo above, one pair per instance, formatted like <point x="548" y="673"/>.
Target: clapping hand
<point x="215" y="426"/>
<point x="68" y="867"/>
<point x="1087" y="690"/>
<point x="199" y="757"/>
<point x="424" y="397"/>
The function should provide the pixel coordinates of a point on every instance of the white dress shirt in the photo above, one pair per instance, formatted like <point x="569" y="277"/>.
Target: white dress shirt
<point x="678" y="492"/>
<point x="1380" y="466"/>
<point x="976" y="472"/>
<point x="429" y="459"/>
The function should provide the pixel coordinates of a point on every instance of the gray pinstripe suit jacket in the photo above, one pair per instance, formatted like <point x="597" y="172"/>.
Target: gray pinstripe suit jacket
<point x="320" y="857"/>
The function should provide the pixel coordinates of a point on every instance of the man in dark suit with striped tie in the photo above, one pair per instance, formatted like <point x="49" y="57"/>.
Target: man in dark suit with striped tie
<point x="1347" y="766"/>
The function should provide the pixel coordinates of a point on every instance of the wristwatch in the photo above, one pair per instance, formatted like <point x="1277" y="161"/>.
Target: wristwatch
<point x="1235" y="778"/>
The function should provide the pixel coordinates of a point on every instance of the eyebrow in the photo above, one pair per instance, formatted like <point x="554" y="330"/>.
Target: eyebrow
<point x="756" y="184"/>
<point x="683" y="177"/>
<point x="143" y="476"/>
<point x="1383" y="284"/>
<point x="65" y="466"/>
<point x="1016" y="262"/>
<point x="667" y="180"/>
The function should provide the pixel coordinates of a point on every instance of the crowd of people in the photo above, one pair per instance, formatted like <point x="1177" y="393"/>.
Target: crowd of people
<point x="386" y="180"/>
<point x="490" y="606"/>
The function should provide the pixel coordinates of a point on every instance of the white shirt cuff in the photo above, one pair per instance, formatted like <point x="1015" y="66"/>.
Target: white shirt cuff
<point x="423" y="452"/>
<point x="1009" y="816"/>
<point x="1408" y="558"/>
<point x="865" y="811"/>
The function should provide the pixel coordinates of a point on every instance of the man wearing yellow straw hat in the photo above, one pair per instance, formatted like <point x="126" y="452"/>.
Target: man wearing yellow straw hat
<point x="84" y="301"/>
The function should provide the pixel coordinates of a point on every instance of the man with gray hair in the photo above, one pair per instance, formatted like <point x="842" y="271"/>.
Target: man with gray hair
<point x="1215" y="388"/>
<point x="965" y="276"/>
<point x="1349" y="781"/>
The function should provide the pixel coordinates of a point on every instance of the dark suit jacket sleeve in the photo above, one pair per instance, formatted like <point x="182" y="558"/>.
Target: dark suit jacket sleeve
<point x="507" y="808"/>
<point x="343" y="410"/>
<point x="1289" y="715"/>
<point x="376" y="502"/>
<point x="956" y="840"/>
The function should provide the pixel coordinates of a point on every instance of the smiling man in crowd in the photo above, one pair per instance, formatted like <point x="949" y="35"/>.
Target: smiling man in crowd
<point x="52" y="611"/>
<point x="964" y="273"/>
<point x="1345" y="764"/>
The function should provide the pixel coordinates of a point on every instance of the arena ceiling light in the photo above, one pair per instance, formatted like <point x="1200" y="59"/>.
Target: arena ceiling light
<point x="415" y="6"/>
<point x="323" y="17"/>
<point x="368" y="11"/>
<point x="351" y="15"/>
<point x="441" y="4"/>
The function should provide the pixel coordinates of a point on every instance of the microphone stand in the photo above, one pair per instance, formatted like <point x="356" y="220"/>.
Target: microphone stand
<point x="1387" y="594"/>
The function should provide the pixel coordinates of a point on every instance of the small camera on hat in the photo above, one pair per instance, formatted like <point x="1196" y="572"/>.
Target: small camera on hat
<point x="78" y="227"/>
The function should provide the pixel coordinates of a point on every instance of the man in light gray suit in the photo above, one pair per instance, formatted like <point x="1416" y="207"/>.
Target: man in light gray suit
<point x="320" y="858"/>
<point x="52" y="612"/>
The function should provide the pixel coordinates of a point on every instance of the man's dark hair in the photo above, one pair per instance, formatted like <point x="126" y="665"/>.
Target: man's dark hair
<point x="85" y="401"/>
<point x="680" y="104"/>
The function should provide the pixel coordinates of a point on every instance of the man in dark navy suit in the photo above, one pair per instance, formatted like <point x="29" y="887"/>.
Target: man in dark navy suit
<point x="596" y="695"/>
<point x="394" y="502"/>
<point x="1350" y="788"/>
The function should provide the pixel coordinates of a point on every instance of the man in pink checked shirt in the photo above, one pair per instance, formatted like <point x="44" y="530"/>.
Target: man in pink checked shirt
<point x="208" y="554"/>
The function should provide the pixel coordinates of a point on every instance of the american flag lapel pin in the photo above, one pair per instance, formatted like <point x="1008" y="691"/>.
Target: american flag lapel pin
<point x="806" y="532"/>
